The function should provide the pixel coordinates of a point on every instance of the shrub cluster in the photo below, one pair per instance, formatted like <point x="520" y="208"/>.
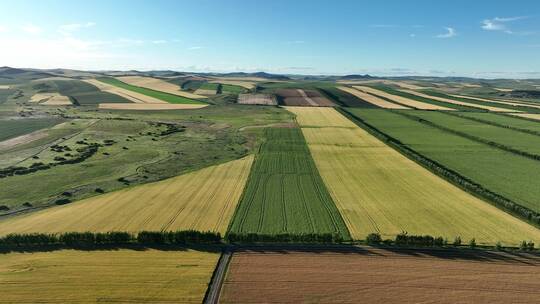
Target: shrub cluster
<point x="326" y="238"/>
<point x="178" y="237"/>
<point x="403" y="239"/>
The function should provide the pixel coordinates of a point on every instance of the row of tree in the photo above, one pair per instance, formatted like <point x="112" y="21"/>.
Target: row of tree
<point x="449" y="174"/>
<point x="327" y="238"/>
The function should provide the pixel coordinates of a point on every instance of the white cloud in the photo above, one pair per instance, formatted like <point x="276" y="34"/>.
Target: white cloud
<point x="450" y="32"/>
<point x="31" y="29"/>
<point x="3" y="29"/>
<point x="499" y="24"/>
<point x="67" y="29"/>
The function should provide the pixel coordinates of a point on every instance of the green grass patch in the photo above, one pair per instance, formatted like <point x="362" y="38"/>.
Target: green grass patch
<point x="10" y="128"/>
<point x="170" y="98"/>
<point x="231" y="89"/>
<point x="285" y="193"/>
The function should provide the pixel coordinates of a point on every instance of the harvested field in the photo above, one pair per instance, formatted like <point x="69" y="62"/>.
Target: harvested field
<point x="115" y="276"/>
<point x="298" y="97"/>
<point x="371" y="275"/>
<point x="257" y="99"/>
<point x="206" y="92"/>
<point x="127" y="94"/>
<point x="4" y="87"/>
<point x="457" y="102"/>
<point x="401" y="100"/>
<point x="150" y="106"/>
<point x="527" y="115"/>
<point x="245" y="84"/>
<point x="379" y="102"/>
<point x="503" y="90"/>
<point x="22" y="139"/>
<point x="203" y="200"/>
<point x="11" y="128"/>
<point x="158" y="85"/>
<point x="379" y="190"/>
<point x="51" y="99"/>
<point x="285" y="193"/>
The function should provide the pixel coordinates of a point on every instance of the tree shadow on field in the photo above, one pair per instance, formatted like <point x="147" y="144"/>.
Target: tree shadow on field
<point x="134" y="247"/>
<point x="455" y="254"/>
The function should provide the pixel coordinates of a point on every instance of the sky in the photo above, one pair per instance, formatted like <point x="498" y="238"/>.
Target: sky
<point x="489" y="39"/>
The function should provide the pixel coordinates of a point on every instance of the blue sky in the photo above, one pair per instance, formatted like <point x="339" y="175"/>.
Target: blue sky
<point x="439" y="38"/>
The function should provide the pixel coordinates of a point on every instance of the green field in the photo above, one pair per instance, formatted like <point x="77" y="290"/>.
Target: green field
<point x="344" y="98"/>
<point x="505" y="121"/>
<point x="231" y="89"/>
<point x="520" y="141"/>
<point x="170" y="98"/>
<point x="285" y="193"/>
<point x="10" y="128"/>
<point x="504" y="173"/>
<point x="209" y="86"/>
<point x="80" y="92"/>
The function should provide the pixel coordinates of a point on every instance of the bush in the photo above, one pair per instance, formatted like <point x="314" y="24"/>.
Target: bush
<point x="373" y="239"/>
<point x="4" y="208"/>
<point x="472" y="243"/>
<point x="457" y="241"/>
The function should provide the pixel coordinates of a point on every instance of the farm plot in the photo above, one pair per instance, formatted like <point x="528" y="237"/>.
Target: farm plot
<point x="344" y="98"/>
<point x="135" y="276"/>
<point x="80" y="92"/>
<point x="299" y="97"/>
<point x="504" y="173"/>
<point x="522" y="142"/>
<point x="157" y="85"/>
<point x="459" y="102"/>
<point x="10" y="128"/>
<point x="374" y="100"/>
<point x="401" y="100"/>
<point x="379" y="190"/>
<point x="52" y="99"/>
<point x="207" y="88"/>
<point x="527" y="115"/>
<point x="511" y="121"/>
<point x="370" y="275"/>
<point x="257" y="99"/>
<point x="502" y="101"/>
<point x="155" y="95"/>
<point x="203" y="200"/>
<point x="230" y="89"/>
<point x="285" y="193"/>
<point x="150" y="106"/>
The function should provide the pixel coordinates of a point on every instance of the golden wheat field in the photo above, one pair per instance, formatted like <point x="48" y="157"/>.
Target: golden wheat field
<point x="501" y="101"/>
<point x="402" y="100"/>
<point x="158" y="85"/>
<point x="379" y="190"/>
<point x="118" y="276"/>
<point x="127" y="94"/>
<point x="379" y="102"/>
<point x="203" y="200"/>
<point x="461" y="103"/>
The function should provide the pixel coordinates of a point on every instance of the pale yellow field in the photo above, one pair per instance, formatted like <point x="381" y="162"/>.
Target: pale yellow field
<point x="205" y="92"/>
<point x="245" y="84"/>
<point x="150" y="106"/>
<point x="116" y="276"/>
<point x="527" y="115"/>
<point x="372" y="99"/>
<point x="490" y="108"/>
<point x="202" y="200"/>
<point x="503" y="90"/>
<point x="379" y="190"/>
<point x="4" y="87"/>
<point x="402" y="100"/>
<point x="158" y="85"/>
<point x="502" y="101"/>
<point x="51" y="99"/>
<point x="127" y="94"/>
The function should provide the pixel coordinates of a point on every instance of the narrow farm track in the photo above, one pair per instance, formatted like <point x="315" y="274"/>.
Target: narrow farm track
<point x="204" y="200"/>
<point x="378" y="189"/>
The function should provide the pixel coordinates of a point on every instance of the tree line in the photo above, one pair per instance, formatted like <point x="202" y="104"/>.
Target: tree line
<point x="326" y="238"/>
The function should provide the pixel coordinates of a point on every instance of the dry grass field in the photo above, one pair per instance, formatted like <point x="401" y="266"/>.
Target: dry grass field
<point x="457" y="102"/>
<point x="117" y="276"/>
<point x="257" y="99"/>
<point x="158" y="85"/>
<point x="379" y="190"/>
<point x="501" y="101"/>
<point x="202" y="200"/>
<point x="367" y="275"/>
<point x="127" y="94"/>
<point x="150" y="106"/>
<point x="379" y="102"/>
<point x="527" y="115"/>
<point x="51" y="99"/>
<point x="402" y="100"/>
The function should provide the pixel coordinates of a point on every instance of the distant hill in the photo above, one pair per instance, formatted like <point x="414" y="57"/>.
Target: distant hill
<point x="22" y="74"/>
<point x="357" y="77"/>
<point x="256" y="74"/>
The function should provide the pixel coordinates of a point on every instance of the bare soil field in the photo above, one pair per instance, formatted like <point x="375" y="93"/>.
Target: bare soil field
<point x="402" y="100"/>
<point x="452" y="101"/>
<point x="127" y="94"/>
<point x="158" y="85"/>
<point x="149" y="106"/>
<point x="379" y="102"/>
<point x="369" y="275"/>
<point x="298" y="97"/>
<point x="257" y="99"/>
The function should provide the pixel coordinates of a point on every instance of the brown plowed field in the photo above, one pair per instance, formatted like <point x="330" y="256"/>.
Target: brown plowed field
<point x="367" y="275"/>
<point x="297" y="97"/>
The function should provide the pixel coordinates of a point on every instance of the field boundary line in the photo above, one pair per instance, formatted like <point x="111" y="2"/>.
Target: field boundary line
<point x="216" y="282"/>
<point x="503" y="203"/>
<point x="487" y="122"/>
